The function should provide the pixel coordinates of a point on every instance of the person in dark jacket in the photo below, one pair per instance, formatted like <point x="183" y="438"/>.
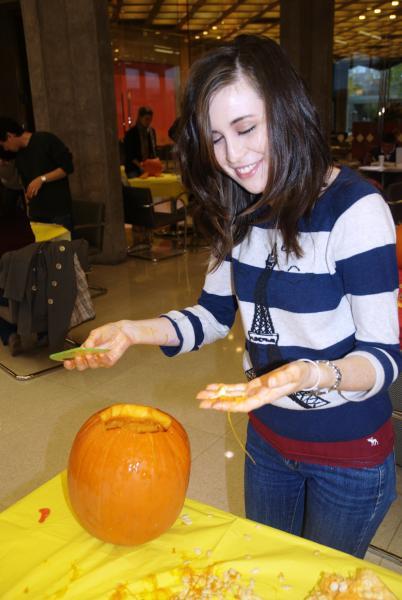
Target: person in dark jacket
<point x="139" y="142"/>
<point x="15" y="233"/>
<point x="44" y="164"/>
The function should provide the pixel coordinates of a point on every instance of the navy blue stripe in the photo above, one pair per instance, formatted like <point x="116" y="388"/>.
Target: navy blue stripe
<point x="198" y="331"/>
<point x="348" y="188"/>
<point x="223" y="308"/>
<point x="173" y="350"/>
<point x="319" y="292"/>
<point x="341" y="423"/>
<point x="371" y="272"/>
<point x="332" y="352"/>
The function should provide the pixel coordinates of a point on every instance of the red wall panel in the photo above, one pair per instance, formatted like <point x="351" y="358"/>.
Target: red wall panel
<point x="146" y="84"/>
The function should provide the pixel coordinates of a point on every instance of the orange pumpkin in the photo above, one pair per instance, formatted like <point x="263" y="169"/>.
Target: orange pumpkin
<point x="128" y="473"/>
<point x="399" y="245"/>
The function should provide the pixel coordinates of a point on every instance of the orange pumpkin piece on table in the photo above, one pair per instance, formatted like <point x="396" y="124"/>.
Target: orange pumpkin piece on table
<point x="128" y="473"/>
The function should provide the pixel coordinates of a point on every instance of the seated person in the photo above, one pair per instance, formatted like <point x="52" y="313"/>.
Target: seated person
<point x="15" y="232"/>
<point x="387" y="148"/>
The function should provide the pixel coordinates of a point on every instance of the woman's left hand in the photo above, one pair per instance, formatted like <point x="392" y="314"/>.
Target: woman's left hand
<point x="244" y="397"/>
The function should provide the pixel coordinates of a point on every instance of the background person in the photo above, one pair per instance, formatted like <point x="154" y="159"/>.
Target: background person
<point x="139" y="142"/>
<point x="293" y="241"/>
<point x="43" y="163"/>
<point x="387" y="148"/>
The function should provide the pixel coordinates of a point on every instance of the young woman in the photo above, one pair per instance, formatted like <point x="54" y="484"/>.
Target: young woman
<point x="306" y="253"/>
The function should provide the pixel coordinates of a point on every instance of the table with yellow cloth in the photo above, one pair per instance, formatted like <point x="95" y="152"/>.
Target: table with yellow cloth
<point x="167" y="185"/>
<point x="49" y="232"/>
<point x="45" y="554"/>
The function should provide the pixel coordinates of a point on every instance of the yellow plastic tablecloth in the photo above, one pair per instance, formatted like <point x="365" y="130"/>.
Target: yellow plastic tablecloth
<point x="168" y="185"/>
<point x="45" y="232"/>
<point x="57" y="559"/>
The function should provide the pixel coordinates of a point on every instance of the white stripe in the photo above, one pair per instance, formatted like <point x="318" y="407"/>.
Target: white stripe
<point x="310" y="330"/>
<point x="219" y="282"/>
<point x="376" y="317"/>
<point x="366" y="225"/>
<point x="213" y="330"/>
<point x="186" y="329"/>
<point x="255" y="248"/>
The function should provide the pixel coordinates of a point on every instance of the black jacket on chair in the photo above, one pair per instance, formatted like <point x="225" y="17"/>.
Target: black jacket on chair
<point x="39" y="283"/>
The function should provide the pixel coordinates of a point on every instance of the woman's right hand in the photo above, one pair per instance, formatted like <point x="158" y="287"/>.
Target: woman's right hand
<point x="111" y="336"/>
<point x="119" y="336"/>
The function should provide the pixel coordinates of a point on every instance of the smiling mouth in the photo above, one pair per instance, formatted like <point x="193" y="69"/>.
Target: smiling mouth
<point x="248" y="170"/>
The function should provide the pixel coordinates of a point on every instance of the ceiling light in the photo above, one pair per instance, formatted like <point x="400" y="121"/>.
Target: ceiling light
<point x="218" y="37"/>
<point x="395" y="3"/>
<point x="214" y="27"/>
<point x="372" y="35"/>
<point x="377" y="11"/>
<point x="392" y="16"/>
<point x="163" y="49"/>
<point x="197" y="37"/>
<point x="205" y="33"/>
<point x="362" y="17"/>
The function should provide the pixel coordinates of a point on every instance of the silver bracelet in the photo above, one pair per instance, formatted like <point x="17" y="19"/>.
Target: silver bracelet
<point x="315" y="388"/>
<point x="315" y="364"/>
<point x="338" y="376"/>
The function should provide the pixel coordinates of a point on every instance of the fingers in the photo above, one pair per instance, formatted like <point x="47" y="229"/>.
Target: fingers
<point x="109" y="337"/>
<point x="244" y="397"/>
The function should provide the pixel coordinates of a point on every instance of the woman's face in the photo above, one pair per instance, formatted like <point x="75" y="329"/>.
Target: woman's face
<point x="239" y="134"/>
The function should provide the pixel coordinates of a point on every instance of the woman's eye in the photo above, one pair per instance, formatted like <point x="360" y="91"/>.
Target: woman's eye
<point x="216" y="140"/>
<point x="247" y="130"/>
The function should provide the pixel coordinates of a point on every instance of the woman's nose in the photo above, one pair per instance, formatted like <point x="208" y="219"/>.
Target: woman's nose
<point x="234" y="150"/>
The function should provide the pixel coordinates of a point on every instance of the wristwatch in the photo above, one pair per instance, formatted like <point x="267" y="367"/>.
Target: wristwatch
<point x="43" y="178"/>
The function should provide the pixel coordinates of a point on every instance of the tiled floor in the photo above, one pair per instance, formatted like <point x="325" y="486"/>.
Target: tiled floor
<point x="39" y="418"/>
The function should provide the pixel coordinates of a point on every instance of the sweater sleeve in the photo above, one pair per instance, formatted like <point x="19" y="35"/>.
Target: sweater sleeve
<point x="363" y="246"/>
<point x="210" y="319"/>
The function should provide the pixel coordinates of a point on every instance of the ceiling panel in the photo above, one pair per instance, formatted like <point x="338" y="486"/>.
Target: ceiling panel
<point x="372" y="28"/>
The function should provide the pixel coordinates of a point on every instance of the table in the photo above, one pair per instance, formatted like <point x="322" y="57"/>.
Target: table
<point x="45" y="232"/>
<point x="53" y="557"/>
<point x="167" y="185"/>
<point x="385" y="173"/>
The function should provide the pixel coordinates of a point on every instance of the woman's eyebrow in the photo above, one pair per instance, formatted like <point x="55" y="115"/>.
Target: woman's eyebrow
<point x="240" y="119"/>
<point x="235" y="121"/>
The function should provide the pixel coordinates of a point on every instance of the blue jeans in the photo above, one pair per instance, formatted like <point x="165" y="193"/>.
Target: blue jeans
<point x="335" y="506"/>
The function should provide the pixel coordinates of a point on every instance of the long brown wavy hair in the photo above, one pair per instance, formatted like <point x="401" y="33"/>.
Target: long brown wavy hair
<point x="299" y="156"/>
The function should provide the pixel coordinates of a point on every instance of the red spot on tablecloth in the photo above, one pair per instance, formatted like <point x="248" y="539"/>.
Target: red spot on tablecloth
<point x="44" y="513"/>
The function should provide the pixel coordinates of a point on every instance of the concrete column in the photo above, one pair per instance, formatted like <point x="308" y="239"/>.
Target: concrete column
<point x="307" y="38"/>
<point x="71" y="74"/>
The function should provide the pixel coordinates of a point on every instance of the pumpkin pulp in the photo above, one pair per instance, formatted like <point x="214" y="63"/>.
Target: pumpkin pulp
<point x="139" y="419"/>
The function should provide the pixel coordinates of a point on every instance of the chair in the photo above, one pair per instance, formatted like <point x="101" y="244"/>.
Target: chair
<point x="139" y="210"/>
<point x="33" y="288"/>
<point x="89" y="224"/>
<point x="396" y="211"/>
<point x="393" y="192"/>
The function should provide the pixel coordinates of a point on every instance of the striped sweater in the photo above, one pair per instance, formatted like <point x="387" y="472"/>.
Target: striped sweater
<point x="338" y="299"/>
